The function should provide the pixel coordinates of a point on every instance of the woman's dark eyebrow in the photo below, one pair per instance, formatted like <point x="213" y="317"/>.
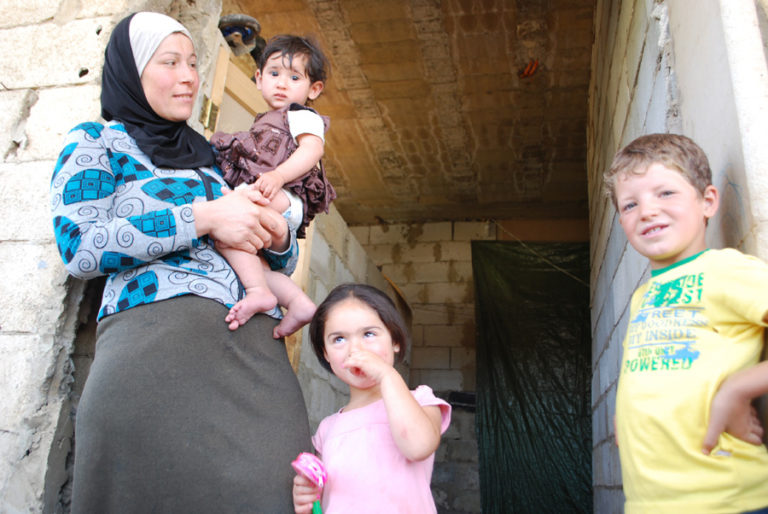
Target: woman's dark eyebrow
<point x="173" y="53"/>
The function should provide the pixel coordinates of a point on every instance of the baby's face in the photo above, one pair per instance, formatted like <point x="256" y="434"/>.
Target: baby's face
<point x="284" y="81"/>
<point x="663" y="215"/>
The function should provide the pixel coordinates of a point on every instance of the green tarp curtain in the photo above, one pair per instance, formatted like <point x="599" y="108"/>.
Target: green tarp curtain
<point x="533" y="414"/>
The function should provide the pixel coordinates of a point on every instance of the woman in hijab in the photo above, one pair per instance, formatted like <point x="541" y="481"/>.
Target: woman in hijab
<point x="178" y="414"/>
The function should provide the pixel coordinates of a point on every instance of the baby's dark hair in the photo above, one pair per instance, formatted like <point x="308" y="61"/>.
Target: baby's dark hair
<point x="674" y="151"/>
<point x="289" y="46"/>
<point x="373" y="298"/>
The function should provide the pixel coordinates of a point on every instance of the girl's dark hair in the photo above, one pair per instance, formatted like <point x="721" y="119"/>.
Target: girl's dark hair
<point x="373" y="298"/>
<point x="290" y="46"/>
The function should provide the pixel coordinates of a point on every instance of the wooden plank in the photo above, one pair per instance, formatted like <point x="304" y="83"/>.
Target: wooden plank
<point x="218" y="83"/>
<point x="301" y="277"/>
<point x="244" y="90"/>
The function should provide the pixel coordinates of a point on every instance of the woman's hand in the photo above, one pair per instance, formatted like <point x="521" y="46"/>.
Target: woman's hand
<point x="304" y="494"/>
<point x="240" y="220"/>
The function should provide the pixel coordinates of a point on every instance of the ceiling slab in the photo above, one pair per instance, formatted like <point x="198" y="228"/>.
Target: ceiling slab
<point x="433" y="117"/>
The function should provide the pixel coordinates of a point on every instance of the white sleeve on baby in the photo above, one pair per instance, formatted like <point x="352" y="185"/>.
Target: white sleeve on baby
<point x="306" y="122"/>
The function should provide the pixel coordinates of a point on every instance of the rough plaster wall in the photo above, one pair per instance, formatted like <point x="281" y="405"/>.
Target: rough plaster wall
<point x="748" y="77"/>
<point x="49" y="81"/>
<point x="660" y="66"/>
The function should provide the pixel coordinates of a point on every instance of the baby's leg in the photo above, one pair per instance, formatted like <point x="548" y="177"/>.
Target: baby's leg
<point x="280" y="202"/>
<point x="299" y="307"/>
<point x="258" y="297"/>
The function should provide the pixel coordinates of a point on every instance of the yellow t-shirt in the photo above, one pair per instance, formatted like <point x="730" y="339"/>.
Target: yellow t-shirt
<point x="691" y="325"/>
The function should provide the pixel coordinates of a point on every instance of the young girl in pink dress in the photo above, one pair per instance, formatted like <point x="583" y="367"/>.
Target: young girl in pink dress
<point x="379" y="449"/>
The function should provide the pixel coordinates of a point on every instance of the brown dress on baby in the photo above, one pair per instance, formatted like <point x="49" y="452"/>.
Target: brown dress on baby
<point x="243" y="156"/>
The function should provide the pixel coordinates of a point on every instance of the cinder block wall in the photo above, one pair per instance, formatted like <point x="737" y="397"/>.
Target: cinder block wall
<point x="629" y="94"/>
<point x="654" y="71"/>
<point x="432" y="265"/>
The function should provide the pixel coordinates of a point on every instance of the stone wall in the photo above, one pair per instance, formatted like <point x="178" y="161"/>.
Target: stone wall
<point x="652" y="71"/>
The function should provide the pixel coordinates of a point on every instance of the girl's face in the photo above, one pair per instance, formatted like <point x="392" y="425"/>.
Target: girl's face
<point x="170" y="79"/>
<point x="352" y="326"/>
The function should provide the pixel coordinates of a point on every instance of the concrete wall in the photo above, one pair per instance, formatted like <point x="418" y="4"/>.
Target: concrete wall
<point x="335" y="256"/>
<point x="653" y="70"/>
<point x="432" y="265"/>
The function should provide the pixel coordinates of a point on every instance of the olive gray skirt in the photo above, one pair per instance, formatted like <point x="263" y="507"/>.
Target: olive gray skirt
<point x="181" y="415"/>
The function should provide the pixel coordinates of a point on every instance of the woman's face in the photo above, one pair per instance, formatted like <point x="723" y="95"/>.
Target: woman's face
<point x="170" y="79"/>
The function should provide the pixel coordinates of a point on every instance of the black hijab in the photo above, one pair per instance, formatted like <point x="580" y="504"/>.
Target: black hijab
<point x="168" y="144"/>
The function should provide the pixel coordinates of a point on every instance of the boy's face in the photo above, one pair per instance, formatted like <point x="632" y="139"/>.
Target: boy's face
<point x="663" y="215"/>
<point x="282" y="85"/>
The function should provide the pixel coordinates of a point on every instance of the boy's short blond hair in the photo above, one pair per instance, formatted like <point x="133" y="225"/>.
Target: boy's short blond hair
<point x="672" y="150"/>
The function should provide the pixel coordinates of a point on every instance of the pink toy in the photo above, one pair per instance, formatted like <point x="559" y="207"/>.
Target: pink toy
<point x="311" y="467"/>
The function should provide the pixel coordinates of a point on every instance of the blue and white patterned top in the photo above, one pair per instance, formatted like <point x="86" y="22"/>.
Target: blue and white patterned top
<point x="117" y="214"/>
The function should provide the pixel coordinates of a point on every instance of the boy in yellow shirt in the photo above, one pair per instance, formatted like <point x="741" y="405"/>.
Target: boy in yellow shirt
<point x="688" y="437"/>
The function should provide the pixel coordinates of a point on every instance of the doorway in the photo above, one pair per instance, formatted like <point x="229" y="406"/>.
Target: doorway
<point x="533" y="416"/>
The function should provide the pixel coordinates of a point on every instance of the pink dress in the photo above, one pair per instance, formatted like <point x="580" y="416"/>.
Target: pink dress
<point x="366" y="471"/>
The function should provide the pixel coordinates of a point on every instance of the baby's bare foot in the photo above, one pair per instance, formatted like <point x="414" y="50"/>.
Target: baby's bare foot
<point x="299" y="312"/>
<point x="257" y="299"/>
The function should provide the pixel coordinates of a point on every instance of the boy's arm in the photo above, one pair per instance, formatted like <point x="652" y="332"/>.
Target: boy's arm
<point x="732" y="409"/>
<point x="308" y="153"/>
